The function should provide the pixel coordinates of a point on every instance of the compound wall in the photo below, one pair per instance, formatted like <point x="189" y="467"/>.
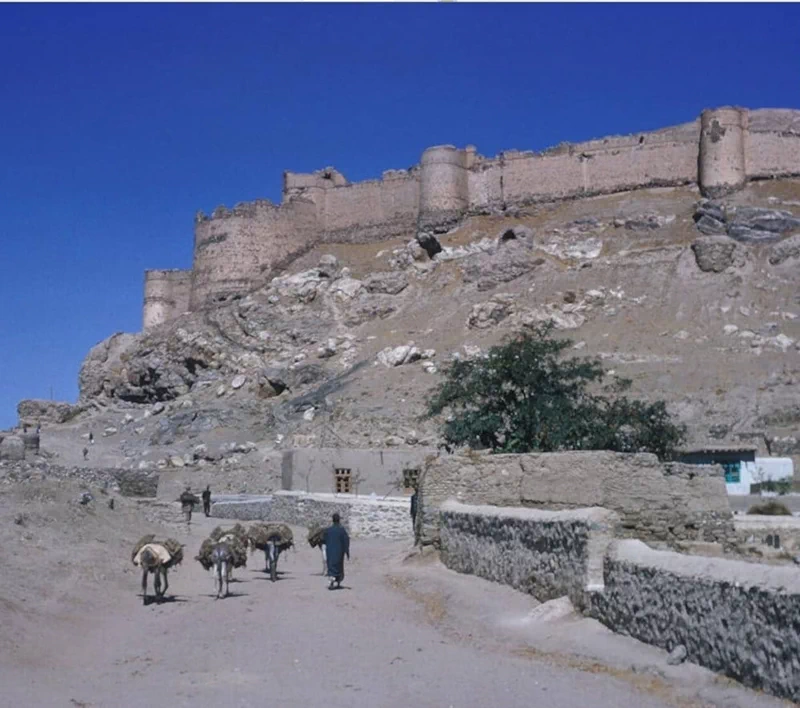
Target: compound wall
<point x="376" y="517"/>
<point x="665" y="502"/>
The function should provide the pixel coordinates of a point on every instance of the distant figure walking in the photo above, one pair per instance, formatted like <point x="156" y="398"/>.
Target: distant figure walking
<point x="414" y="502"/>
<point x="337" y="546"/>
<point x="86" y="453"/>
<point x="187" y="500"/>
<point x="24" y="427"/>
<point x="207" y="500"/>
<point x="38" y="428"/>
<point x="91" y="438"/>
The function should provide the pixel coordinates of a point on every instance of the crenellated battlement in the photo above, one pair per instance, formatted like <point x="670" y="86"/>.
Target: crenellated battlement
<point x="236" y="248"/>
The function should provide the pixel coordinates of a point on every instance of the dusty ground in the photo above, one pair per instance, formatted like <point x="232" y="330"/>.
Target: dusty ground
<point x="404" y="631"/>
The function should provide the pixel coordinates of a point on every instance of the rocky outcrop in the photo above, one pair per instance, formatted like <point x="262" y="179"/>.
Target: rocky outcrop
<point x="33" y="411"/>
<point x="746" y="224"/>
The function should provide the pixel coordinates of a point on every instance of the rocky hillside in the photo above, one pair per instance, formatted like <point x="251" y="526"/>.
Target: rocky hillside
<point x="697" y="302"/>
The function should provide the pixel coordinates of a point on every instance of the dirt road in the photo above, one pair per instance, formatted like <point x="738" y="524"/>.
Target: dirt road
<point x="398" y="634"/>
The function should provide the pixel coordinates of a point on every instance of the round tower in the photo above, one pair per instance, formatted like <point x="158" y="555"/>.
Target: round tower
<point x="444" y="186"/>
<point x="159" y="303"/>
<point x="721" y="167"/>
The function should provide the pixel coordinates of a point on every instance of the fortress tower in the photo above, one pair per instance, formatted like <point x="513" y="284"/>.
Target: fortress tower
<point x="166" y="295"/>
<point x="238" y="249"/>
<point x="721" y="161"/>
<point x="444" y="187"/>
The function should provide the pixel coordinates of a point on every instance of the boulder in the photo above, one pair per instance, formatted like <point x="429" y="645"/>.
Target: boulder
<point x="390" y="283"/>
<point x="346" y="288"/>
<point x="328" y="266"/>
<point x="394" y="356"/>
<point x="503" y="266"/>
<point x="238" y="381"/>
<point x="784" y="250"/>
<point x="429" y="243"/>
<point x="491" y="313"/>
<point x="714" y="254"/>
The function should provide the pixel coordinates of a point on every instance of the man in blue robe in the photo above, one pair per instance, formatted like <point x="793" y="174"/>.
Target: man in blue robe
<point x="337" y="546"/>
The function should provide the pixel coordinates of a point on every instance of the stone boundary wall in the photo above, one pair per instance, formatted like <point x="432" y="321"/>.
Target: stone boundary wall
<point x="129" y="483"/>
<point x="547" y="554"/>
<point x="656" y="501"/>
<point x="733" y="617"/>
<point x="364" y="517"/>
<point x="235" y="248"/>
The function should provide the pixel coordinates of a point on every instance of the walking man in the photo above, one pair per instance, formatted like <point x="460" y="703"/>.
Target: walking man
<point x="337" y="546"/>
<point x="414" y="513"/>
<point x="207" y="500"/>
<point x="187" y="500"/>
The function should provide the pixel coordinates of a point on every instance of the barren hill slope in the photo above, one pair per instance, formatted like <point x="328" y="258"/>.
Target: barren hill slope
<point x="698" y="302"/>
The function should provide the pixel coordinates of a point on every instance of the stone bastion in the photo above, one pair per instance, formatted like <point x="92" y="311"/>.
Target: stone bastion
<point x="237" y="249"/>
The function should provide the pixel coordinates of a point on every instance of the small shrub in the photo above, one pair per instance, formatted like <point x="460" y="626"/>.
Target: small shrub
<point x="769" y="508"/>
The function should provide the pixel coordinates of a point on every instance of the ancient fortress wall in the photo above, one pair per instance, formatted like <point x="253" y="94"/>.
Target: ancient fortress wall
<point x="166" y="295"/>
<point x="236" y="249"/>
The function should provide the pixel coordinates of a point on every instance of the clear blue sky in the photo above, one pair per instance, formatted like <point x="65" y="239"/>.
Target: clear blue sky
<point x="118" y="122"/>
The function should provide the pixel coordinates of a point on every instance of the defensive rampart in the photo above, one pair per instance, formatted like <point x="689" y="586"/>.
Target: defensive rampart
<point x="236" y="249"/>
<point x="733" y="617"/>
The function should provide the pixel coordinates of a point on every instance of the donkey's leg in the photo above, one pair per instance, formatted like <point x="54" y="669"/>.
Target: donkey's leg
<point x="144" y="585"/>
<point x="166" y="582"/>
<point x="225" y="573"/>
<point x="324" y="559"/>
<point x="157" y="584"/>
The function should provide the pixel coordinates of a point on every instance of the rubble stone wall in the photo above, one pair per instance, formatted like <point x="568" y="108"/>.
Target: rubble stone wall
<point x="547" y="554"/>
<point x="734" y="617"/>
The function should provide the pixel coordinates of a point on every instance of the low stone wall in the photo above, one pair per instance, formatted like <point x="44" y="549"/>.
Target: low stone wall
<point x="656" y="501"/>
<point x="545" y="553"/>
<point x="129" y="483"/>
<point x="737" y="618"/>
<point x="734" y="617"/>
<point x="363" y="516"/>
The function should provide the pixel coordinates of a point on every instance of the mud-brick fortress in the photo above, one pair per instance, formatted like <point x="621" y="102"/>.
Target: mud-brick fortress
<point x="237" y="249"/>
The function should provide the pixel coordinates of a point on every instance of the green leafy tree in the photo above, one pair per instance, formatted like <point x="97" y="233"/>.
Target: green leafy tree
<point x="525" y="396"/>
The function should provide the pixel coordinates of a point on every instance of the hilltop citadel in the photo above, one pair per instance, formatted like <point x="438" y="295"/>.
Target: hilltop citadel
<point x="236" y="249"/>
